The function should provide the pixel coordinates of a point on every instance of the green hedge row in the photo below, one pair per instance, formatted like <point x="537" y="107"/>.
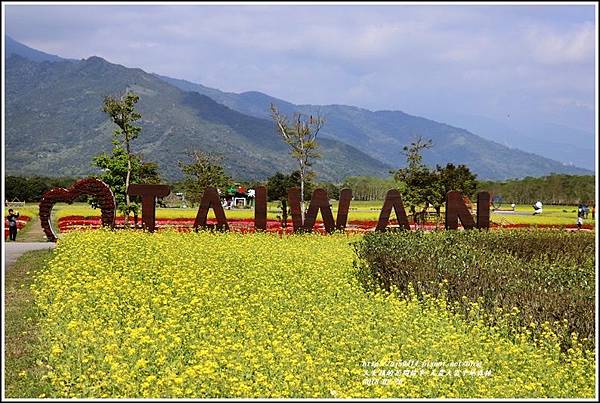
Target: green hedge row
<point x="547" y="275"/>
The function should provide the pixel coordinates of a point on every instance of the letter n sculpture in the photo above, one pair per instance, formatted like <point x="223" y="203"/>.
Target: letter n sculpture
<point x="456" y="209"/>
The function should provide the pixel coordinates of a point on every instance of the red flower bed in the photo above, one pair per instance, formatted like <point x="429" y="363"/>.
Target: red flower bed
<point x="246" y="225"/>
<point x="243" y="225"/>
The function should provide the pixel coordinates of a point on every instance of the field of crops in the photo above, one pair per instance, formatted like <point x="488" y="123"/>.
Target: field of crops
<point x="131" y="314"/>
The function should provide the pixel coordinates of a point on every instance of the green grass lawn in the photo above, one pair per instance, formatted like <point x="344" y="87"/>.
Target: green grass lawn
<point x="555" y="215"/>
<point x="21" y="328"/>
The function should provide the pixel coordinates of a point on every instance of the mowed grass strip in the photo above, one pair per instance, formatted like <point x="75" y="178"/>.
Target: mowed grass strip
<point x="131" y="314"/>
<point x="22" y="375"/>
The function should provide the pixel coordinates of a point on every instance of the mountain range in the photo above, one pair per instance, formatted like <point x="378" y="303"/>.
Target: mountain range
<point x="55" y="125"/>
<point x="570" y="145"/>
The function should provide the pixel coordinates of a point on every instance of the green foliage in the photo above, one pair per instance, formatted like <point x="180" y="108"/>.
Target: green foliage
<point x="204" y="170"/>
<point x="551" y="189"/>
<point x="422" y="187"/>
<point x="451" y="177"/>
<point x="123" y="114"/>
<point x="417" y="182"/>
<point x="31" y="189"/>
<point x="21" y="327"/>
<point x="279" y="184"/>
<point x="122" y="166"/>
<point x="277" y="190"/>
<point x="333" y="190"/>
<point x="547" y="275"/>
<point x="368" y="188"/>
<point x="459" y="178"/>
<point x="114" y="174"/>
<point x="301" y="137"/>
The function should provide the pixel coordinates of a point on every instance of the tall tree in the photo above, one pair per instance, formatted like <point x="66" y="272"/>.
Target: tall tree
<point x="115" y="168"/>
<point x="301" y="136"/>
<point x="368" y="188"/>
<point x="123" y="114"/>
<point x="277" y="190"/>
<point x="204" y="170"/>
<point x="417" y="182"/>
<point x="451" y="177"/>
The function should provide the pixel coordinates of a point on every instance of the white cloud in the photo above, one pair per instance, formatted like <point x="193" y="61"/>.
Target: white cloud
<point x="481" y="59"/>
<point x="565" y="45"/>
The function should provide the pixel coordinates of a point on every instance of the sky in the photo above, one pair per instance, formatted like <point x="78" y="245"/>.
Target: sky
<point x="520" y="62"/>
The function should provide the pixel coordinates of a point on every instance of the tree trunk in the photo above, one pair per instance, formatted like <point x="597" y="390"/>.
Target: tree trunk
<point x="127" y="178"/>
<point x="302" y="192"/>
<point x="284" y="214"/>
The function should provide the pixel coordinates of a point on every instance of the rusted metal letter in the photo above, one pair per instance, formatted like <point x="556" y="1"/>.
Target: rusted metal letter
<point x="260" y="208"/>
<point x="148" y="193"/>
<point x="319" y="201"/>
<point x="483" y="210"/>
<point x="455" y="209"/>
<point x="392" y="199"/>
<point x="210" y="199"/>
<point x="295" y="208"/>
<point x="343" y="208"/>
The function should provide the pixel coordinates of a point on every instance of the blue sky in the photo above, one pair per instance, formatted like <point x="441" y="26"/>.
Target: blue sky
<point x="525" y="62"/>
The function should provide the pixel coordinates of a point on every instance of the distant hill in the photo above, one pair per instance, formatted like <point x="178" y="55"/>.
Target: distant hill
<point x="55" y="125"/>
<point x="13" y="47"/>
<point x="566" y="144"/>
<point x="382" y="134"/>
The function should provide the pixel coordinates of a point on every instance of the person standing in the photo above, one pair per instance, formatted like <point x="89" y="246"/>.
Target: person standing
<point x="12" y="224"/>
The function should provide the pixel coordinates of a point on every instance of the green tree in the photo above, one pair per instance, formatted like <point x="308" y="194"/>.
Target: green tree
<point x="333" y="190"/>
<point x="551" y="189"/>
<point x="368" y="188"/>
<point x="417" y="182"/>
<point x="301" y="137"/>
<point x="31" y="189"/>
<point x="277" y="190"/>
<point x="451" y="177"/>
<point x="123" y="114"/>
<point x="204" y="170"/>
<point x="116" y="168"/>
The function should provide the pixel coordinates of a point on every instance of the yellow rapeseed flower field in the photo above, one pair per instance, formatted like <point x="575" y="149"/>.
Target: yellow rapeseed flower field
<point x="132" y="314"/>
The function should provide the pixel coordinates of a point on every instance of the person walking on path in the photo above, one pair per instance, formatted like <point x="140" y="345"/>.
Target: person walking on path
<point x="12" y="224"/>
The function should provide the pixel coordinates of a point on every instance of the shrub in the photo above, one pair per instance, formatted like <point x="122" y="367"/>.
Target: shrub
<point x="547" y="275"/>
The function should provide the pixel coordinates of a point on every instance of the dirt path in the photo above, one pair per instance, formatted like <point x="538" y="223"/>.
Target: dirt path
<point x="33" y="232"/>
<point x="32" y="238"/>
